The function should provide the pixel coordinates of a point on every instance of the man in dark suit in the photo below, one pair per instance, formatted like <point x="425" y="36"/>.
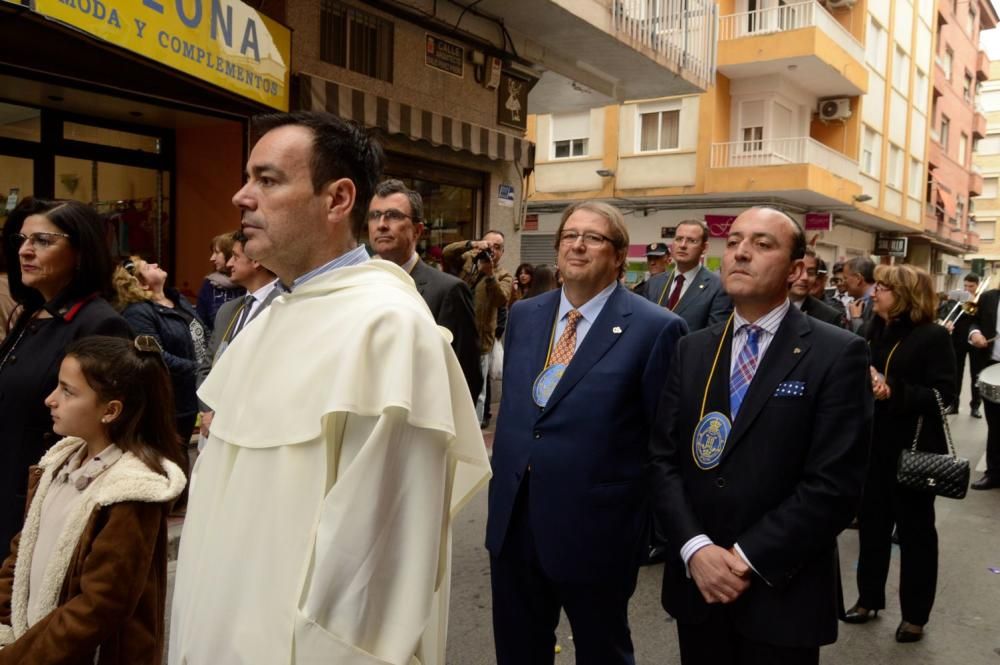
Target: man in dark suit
<point x="690" y="290"/>
<point x="395" y="223"/>
<point x="800" y="293"/>
<point x="757" y="462"/>
<point x="983" y="338"/>
<point x="859" y="279"/>
<point x="568" y="515"/>
<point x="960" y="328"/>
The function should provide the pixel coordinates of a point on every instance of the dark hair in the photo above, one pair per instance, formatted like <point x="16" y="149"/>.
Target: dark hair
<point x="341" y="149"/>
<point x="393" y="186"/>
<point x="117" y="370"/>
<point x="864" y="267"/>
<point x="696" y="222"/>
<point x="971" y="277"/>
<point x="838" y="267"/>
<point x="543" y="280"/>
<point x="86" y="235"/>
<point x="499" y="233"/>
<point x="525" y="268"/>
<point x="820" y="264"/>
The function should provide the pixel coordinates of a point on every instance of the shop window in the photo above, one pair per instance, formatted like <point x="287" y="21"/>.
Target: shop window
<point x="659" y="129"/>
<point x="20" y="122"/>
<point x="75" y="131"/>
<point x="356" y="40"/>
<point x="16" y="180"/>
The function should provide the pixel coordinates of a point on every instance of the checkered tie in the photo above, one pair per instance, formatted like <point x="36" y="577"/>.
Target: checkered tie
<point x="566" y="346"/>
<point x="746" y="365"/>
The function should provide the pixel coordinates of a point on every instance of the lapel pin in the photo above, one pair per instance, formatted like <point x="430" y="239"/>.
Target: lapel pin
<point x="617" y="330"/>
<point x="701" y="286"/>
<point x="796" y="350"/>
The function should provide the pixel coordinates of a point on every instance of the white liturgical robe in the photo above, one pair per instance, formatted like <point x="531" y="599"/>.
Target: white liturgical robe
<point x="319" y="522"/>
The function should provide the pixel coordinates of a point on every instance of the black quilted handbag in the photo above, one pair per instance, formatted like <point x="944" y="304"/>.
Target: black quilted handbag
<point x="943" y="475"/>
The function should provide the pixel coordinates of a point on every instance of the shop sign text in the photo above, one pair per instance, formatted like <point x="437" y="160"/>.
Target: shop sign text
<point x="224" y="42"/>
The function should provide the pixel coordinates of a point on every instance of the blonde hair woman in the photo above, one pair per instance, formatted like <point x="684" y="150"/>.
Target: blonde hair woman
<point x="911" y="357"/>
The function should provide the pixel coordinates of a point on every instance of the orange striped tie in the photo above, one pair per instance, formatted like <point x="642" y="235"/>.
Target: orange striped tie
<point x="566" y="346"/>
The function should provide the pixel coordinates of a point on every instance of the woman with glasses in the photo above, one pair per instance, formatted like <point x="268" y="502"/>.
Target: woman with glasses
<point x="153" y="308"/>
<point x="59" y="269"/>
<point x="911" y="358"/>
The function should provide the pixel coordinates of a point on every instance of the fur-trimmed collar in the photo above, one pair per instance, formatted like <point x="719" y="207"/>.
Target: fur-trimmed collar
<point x="129" y="479"/>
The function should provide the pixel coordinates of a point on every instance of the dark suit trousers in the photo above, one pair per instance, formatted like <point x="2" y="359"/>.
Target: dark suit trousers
<point x="717" y="642"/>
<point x="884" y="503"/>
<point x="962" y="350"/>
<point x="526" y="605"/>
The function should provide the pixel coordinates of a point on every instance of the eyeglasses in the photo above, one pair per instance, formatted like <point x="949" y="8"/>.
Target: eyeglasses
<point x="882" y="286"/>
<point x="40" y="240"/>
<point x="147" y="344"/>
<point x="391" y="215"/>
<point x="590" y="239"/>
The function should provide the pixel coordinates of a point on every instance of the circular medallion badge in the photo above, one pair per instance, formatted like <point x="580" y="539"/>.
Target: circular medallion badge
<point x="546" y="383"/>
<point x="709" y="440"/>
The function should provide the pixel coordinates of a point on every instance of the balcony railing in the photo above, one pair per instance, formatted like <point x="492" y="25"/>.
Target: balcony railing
<point x="684" y="31"/>
<point x="780" y="152"/>
<point x="783" y="18"/>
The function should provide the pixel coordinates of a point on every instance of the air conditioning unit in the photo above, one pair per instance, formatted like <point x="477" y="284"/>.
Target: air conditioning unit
<point x="837" y="4"/>
<point x="834" y="109"/>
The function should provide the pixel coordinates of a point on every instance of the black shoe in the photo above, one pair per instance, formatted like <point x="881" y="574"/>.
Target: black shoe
<point x="858" y="614"/>
<point x="987" y="482"/>
<point x="976" y="413"/>
<point x="909" y="632"/>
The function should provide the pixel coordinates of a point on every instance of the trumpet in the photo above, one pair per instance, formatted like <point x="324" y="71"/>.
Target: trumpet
<point x="970" y="306"/>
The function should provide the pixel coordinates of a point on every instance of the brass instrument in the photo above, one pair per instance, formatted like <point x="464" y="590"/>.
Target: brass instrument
<point x="970" y="306"/>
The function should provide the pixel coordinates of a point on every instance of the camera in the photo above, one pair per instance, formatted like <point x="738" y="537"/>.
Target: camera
<point x="485" y="255"/>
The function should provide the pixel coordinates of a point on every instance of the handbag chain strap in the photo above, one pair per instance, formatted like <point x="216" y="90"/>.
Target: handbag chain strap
<point x="944" y="421"/>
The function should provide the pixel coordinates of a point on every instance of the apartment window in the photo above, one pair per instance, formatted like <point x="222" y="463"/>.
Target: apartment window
<point x="990" y="145"/>
<point x="949" y="57"/>
<point x="986" y="230"/>
<point x="900" y="70"/>
<point x="870" y="152"/>
<point x="659" y="129"/>
<point x="356" y="40"/>
<point x="875" y="45"/>
<point x="569" y="134"/>
<point x="753" y="139"/>
<point x="989" y="188"/>
<point x="959" y="210"/>
<point x="916" y="178"/>
<point x="967" y="87"/>
<point x="895" y="171"/>
<point x="963" y="147"/>
<point x="945" y="128"/>
<point x="920" y="91"/>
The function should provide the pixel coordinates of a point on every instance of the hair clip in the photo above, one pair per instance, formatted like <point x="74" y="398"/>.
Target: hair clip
<point x="129" y="266"/>
<point x="148" y="344"/>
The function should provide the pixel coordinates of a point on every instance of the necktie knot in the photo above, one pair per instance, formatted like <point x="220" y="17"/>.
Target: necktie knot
<point x="573" y="317"/>
<point x="753" y="333"/>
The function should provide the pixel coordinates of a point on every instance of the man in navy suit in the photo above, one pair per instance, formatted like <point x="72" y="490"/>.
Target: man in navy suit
<point x="758" y="457"/>
<point x="690" y="290"/>
<point x="568" y="515"/>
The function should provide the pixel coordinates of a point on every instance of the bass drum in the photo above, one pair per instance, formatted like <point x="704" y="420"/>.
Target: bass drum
<point x="989" y="383"/>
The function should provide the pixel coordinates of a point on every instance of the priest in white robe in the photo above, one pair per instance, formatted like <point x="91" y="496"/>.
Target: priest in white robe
<point x="344" y="442"/>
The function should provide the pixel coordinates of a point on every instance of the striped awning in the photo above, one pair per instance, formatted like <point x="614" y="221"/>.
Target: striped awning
<point x="396" y="118"/>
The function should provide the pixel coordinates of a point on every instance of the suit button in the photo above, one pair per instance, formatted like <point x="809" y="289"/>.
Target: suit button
<point x="12" y="360"/>
<point x="720" y="482"/>
<point x="537" y="434"/>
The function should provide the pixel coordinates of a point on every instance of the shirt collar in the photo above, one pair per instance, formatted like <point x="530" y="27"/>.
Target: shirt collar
<point x="689" y="275"/>
<point x="354" y="257"/>
<point x="769" y="322"/>
<point x="590" y="309"/>
<point x="261" y="294"/>
<point x="411" y="263"/>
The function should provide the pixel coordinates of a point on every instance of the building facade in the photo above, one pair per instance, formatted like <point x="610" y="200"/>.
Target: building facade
<point x="820" y="109"/>
<point x="143" y="109"/>
<point x="987" y="161"/>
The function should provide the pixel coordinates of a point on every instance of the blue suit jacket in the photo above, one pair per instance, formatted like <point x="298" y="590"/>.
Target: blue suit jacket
<point x="704" y="304"/>
<point x="586" y="448"/>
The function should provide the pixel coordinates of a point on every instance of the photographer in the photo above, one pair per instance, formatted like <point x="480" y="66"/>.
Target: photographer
<point x="491" y="287"/>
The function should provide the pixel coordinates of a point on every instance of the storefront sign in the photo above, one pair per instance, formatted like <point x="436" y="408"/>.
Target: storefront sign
<point x="505" y="195"/>
<point x="224" y="42"/>
<point x="668" y="231"/>
<point x="445" y="56"/>
<point x="890" y="245"/>
<point x="512" y="101"/>
<point x="531" y="222"/>
<point x="955" y="270"/>
<point x="819" y="221"/>
<point x="718" y="225"/>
